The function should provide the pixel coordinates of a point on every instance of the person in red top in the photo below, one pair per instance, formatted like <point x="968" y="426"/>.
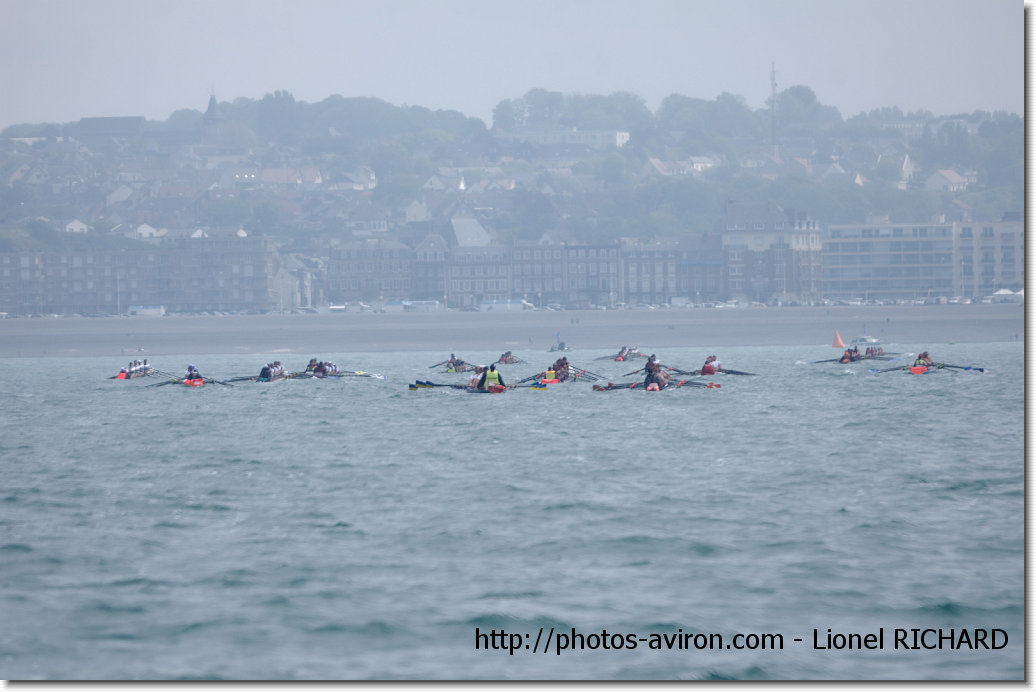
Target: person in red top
<point x="709" y="368"/>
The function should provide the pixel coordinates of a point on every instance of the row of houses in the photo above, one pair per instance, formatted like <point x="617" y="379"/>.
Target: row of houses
<point x="94" y="170"/>
<point x="763" y="253"/>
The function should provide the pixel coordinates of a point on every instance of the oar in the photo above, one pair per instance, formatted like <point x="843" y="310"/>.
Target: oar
<point x="735" y="372"/>
<point x="577" y="372"/>
<point x="901" y="367"/>
<point x="438" y="364"/>
<point x="634" y="372"/>
<point x="225" y="384"/>
<point x="611" y="386"/>
<point x="433" y="384"/>
<point x="692" y="383"/>
<point x="160" y="384"/>
<point x="584" y="370"/>
<point x="166" y="374"/>
<point x="531" y="377"/>
<point x="959" y="367"/>
<point x="244" y="378"/>
<point x="829" y="360"/>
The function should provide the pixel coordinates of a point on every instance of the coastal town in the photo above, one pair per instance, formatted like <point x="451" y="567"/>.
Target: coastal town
<point x="157" y="232"/>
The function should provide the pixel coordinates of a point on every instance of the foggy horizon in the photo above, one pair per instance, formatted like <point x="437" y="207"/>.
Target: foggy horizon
<point x="107" y="59"/>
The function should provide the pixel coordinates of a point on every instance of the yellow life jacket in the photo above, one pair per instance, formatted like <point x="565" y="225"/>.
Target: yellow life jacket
<point x="492" y="377"/>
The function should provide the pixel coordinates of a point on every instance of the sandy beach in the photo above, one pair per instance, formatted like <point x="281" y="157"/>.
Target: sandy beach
<point x="505" y="330"/>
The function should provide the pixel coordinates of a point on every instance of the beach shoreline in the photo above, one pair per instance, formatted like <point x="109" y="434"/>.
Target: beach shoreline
<point x="505" y="330"/>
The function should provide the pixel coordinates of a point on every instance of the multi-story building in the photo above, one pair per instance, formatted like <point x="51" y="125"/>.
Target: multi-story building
<point x="699" y="270"/>
<point x="222" y="273"/>
<point x="477" y="274"/>
<point x="430" y="255"/>
<point x="649" y="271"/>
<point x="538" y="272"/>
<point x="770" y="253"/>
<point x="593" y="274"/>
<point x="879" y="260"/>
<point x="763" y="254"/>
<point x="989" y="256"/>
<point x="371" y="269"/>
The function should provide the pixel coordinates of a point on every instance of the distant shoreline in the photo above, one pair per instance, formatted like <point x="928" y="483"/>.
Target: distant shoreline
<point x="129" y="337"/>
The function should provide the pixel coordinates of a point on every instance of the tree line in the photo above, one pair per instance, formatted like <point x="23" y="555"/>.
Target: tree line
<point x="614" y="193"/>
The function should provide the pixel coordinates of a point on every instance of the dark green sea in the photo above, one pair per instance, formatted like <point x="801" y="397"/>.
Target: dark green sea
<point x="354" y="529"/>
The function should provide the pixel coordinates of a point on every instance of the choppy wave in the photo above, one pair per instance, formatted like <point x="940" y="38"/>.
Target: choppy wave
<point x="353" y="529"/>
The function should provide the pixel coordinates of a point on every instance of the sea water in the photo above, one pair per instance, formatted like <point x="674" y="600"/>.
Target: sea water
<point x="355" y="529"/>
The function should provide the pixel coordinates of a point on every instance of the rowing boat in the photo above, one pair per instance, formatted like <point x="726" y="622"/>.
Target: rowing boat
<point x="136" y="373"/>
<point x="670" y="385"/>
<point x="491" y="389"/>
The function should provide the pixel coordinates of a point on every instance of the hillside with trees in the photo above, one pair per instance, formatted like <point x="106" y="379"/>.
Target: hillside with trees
<point x="795" y="151"/>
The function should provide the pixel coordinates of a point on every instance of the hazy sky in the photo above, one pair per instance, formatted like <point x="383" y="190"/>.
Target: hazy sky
<point x="67" y="59"/>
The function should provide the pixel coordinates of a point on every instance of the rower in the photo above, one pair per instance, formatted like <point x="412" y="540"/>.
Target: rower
<point x="923" y="359"/>
<point x="710" y="366"/>
<point x="489" y="377"/>
<point x="266" y="373"/>
<point x="654" y="376"/>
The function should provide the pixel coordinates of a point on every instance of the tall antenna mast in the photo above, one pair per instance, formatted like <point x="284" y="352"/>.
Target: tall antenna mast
<point x="773" y="109"/>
